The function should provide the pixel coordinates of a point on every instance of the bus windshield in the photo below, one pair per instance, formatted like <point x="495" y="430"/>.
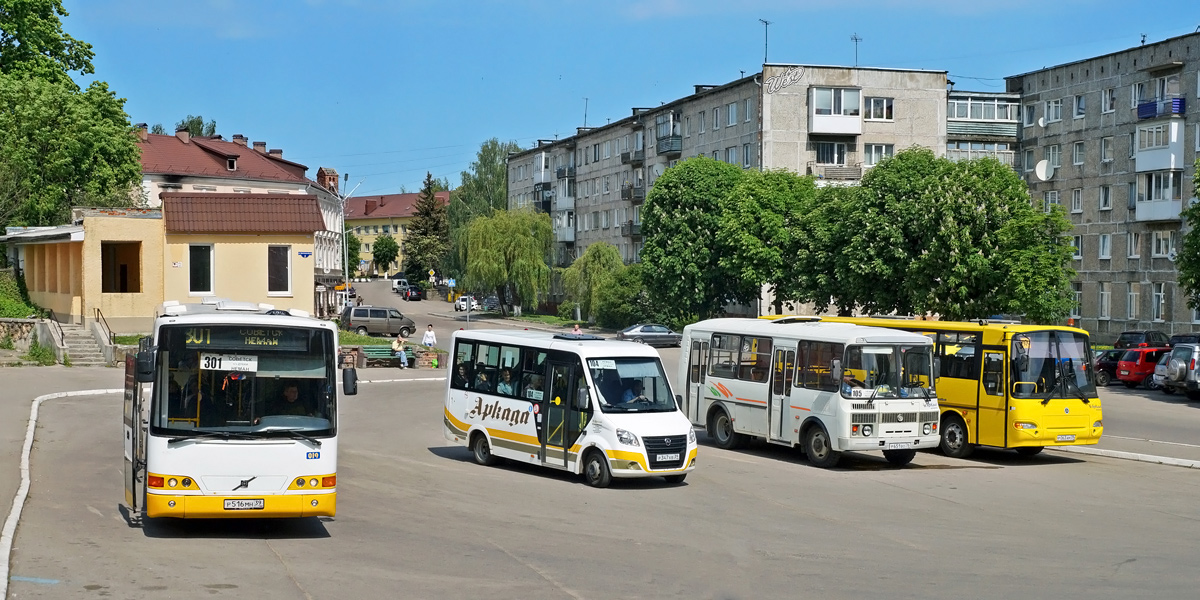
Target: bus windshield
<point x="874" y="371"/>
<point x="631" y="385"/>
<point x="249" y="380"/>
<point x="1052" y="364"/>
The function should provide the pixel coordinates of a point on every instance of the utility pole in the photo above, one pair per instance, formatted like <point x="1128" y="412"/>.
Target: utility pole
<point x="345" y="247"/>
<point x="585" y="101"/>
<point x="766" y="24"/>
<point x="854" y="38"/>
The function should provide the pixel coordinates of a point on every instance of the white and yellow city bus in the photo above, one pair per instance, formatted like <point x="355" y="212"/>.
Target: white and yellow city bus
<point x="828" y="387"/>
<point x="577" y="403"/>
<point x="231" y="411"/>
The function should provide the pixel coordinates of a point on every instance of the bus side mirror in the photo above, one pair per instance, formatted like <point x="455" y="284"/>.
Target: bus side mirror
<point x="581" y="400"/>
<point x="937" y="367"/>
<point x="349" y="382"/>
<point x="835" y="368"/>
<point x="679" y="401"/>
<point x="1023" y="362"/>
<point x="145" y="366"/>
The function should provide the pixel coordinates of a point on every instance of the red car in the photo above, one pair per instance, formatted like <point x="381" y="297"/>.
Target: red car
<point x="1137" y="366"/>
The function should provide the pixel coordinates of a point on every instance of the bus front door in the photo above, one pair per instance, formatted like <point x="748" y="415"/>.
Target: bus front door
<point x="697" y="373"/>
<point x="134" y="448"/>
<point x="993" y="405"/>
<point x="558" y="406"/>
<point x="781" y="394"/>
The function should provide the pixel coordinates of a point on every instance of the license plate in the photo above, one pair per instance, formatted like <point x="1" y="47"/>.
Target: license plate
<point x="1065" y="438"/>
<point x="665" y="457"/>
<point x="899" y="446"/>
<point x="245" y="504"/>
<point x="1124" y="372"/>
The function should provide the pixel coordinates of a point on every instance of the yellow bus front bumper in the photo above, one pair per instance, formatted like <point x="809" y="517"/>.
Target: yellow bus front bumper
<point x="213" y="507"/>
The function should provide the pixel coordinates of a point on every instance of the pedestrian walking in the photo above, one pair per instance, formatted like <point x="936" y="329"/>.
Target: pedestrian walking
<point x="430" y="338"/>
<point x="577" y="330"/>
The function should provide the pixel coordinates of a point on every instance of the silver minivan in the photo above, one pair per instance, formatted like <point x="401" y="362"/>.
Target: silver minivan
<point x="1181" y="371"/>
<point x="376" y="320"/>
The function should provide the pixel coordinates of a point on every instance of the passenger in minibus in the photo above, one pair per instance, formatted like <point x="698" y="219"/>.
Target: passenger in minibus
<point x="461" y="376"/>
<point x="482" y="383"/>
<point x="505" y="385"/>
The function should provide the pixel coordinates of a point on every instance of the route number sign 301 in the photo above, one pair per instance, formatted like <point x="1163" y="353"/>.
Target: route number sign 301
<point x="228" y="362"/>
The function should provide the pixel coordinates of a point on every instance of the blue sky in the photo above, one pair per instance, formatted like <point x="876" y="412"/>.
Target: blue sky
<point x="386" y="90"/>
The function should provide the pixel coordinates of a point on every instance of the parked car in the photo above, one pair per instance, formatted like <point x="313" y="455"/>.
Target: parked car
<point x="1181" y="371"/>
<point x="491" y="303"/>
<point x="413" y="292"/>
<point x="1184" y="338"/>
<point x="1106" y="366"/>
<point x="1137" y="366"/>
<point x="376" y="320"/>
<point x="1160" y="374"/>
<point x="466" y="302"/>
<point x="651" y="335"/>
<point x="1142" y="339"/>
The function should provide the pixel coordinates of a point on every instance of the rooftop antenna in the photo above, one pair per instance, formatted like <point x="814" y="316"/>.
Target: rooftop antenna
<point x="854" y="38"/>
<point x="765" y="23"/>
<point x="585" y="101"/>
<point x="1143" y="39"/>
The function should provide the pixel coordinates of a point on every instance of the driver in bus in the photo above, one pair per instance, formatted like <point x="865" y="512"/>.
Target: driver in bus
<point x="634" y="393"/>
<point x="849" y="382"/>
<point x="290" y="403"/>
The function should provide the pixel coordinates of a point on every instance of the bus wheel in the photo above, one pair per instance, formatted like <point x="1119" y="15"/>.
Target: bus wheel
<point x="675" y="479"/>
<point x="595" y="470"/>
<point x="1029" y="450"/>
<point x="954" y="438"/>
<point x="899" y="457"/>
<point x="820" y="452"/>
<point x="482" y="451"/>
<point x="721" y="430"/>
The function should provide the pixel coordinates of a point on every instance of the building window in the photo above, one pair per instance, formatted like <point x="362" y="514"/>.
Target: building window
<point x="1162" y="243"/>
<point x="700" y="120"/>
<point x="1105" y="197"/>
<point x="731" y="155"/>
<point x="831" y="153"/>
<point x="1105" y="250"/>
<point x="687" y="127"/>
<point x="1131" y="302"/>
<point x="607" y="148"/>
<point x="376" y="229"/>
<point x="1106" y="149"/>
<point x="596" y="152"/>
<point x="1076" y="309"/>
<point x="1133" y="242"/>
<point x="715" y="154"/>
<point x="1077" y="200"/>
<point x="1077" y="153"/>
<point x="1109" y="103"/>
<point x="873" y="153"/>
<point x="731" y="114"/>
<point x="749" y="110"/>
<point x="1160" y="185"/>
<point x="716" y="118"/>
<point x="200" y="269"/>
<point x="836" y="101"/>
<point x="1079" y="106"/>
<point x="1029" y="160"/>
<point x="1160" y="301"/>
<point x="1154" y="136"/>
<point x="366" y="247"/>
<point x="231" y="164"/>
<point x="1105" y="300"/>
<point x="746" y="156"/>
<point x="1049" y="198"/>
<point x="1054" y="155"/>
<point x="279" y="278"/>
<point x="981" y="109"/>
<point x="120" y="267"/>
<point x="880" y="109"/>
<point x="1137" y="93"/>
<point x="1054" y="110"/>
<point x="1077" y="246"/>
<point x="1030" y="114"/>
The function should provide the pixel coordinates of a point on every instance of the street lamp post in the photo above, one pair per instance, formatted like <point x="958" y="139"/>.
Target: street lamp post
<point x="346" y="247"/>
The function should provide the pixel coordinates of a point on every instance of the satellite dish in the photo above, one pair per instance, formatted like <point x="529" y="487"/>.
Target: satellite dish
<point x="1171" y="256"/>
<point x="1043" y="170"/>
<point x="1041" y="121"/>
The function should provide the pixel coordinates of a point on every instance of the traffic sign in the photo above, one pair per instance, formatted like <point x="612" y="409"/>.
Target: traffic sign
<point x="451" y="283"/>
<point x="431" y="271"/>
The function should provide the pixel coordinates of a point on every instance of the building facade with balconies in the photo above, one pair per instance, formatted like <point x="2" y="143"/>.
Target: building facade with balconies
<point x="1118" y="144"/>
<point x="982" y="125"/>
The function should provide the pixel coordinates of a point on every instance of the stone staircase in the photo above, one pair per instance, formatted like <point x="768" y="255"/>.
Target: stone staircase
<point x="82" y="348"/>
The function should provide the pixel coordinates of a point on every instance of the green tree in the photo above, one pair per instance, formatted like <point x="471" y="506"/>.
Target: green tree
<point x="1188" y="262"/>
<point x="624" y="301"/>
<point x="429" y="234"/>
<point x="384" y="252"/>
<point x="157" y="129"/>
<point x="353" y="248"/>
<point x="483" y="190"/>
<point x="591" y="273"/>
<point x="1034" y="263"/>
<point x="681" y="221"/>
<point x="196" y="126"/>
<point x="33" y="43"/>
<point x="819" y="267"/>
<point x="509" y="251"/>
<point x="761" y="219"/>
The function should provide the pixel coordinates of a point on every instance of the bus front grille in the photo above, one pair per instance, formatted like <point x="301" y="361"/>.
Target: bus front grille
<point x="929" y="416"/>
<point x="669" y="444"/>
<point x="899" y="417"/>
<point x="863" y="418"/>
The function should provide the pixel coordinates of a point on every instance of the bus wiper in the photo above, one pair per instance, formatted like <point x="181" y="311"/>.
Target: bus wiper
<point x="220" y="435"/>
<point x="297" y="435"/>
<point x="1071" y="367"/>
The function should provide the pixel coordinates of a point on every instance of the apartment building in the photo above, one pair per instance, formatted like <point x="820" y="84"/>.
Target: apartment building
<point x="831" y="122"/>
<point x="1110" y="138"/>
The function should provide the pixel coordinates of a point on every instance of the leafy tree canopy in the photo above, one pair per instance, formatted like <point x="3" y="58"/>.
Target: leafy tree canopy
<point x="591" y="273"/>
<point x="482" y="190"/>
<point x="33" y="44"/>
<point x="384" y="252"/>
<point x="353" y="248"/>
<point x="429" y="235"/>
<point x="509" y="251"/>
<point x="1188" y="261"/>
<point x="196" y="127"/>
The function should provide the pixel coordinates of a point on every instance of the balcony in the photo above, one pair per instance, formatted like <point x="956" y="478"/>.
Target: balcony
<point x="1161" y="107"/>
<point x="634" y="194"/>
<point x="565" y="172"/>
<point x="631" y="229"/>
<point x="564" y="202"/>
<point x="1158" y="210"/>
<point x="564" y="234"/>
<point x="635" y="158"/>
<point x="838" y="172"/>
<point x="1007" y="157"/>
<point x="542" y="176"/>
<point x="672" y="144"/>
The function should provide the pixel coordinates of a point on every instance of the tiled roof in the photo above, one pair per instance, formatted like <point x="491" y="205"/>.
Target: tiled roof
<point x="241" y="213"/>
<point x="206" y="157"/>
<point x="387" y="205"/>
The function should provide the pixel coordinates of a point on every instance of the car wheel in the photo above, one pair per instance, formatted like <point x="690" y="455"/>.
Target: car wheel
<point x="721" y="430"/>
<point x="595" y="469"/>
<point x="481" y="450"/>
<point x="1103" y="378"/>
<point x="361" y="331"/>
<point x="1149" y="383"/>
<point x="639" y="340"/>
<point x="405" y="332"/>
<point x="820" y="452"/>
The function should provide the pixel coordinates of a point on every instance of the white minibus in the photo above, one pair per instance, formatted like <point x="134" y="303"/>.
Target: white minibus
<point x="828" y="387"/>
<point x="577" y="403"/>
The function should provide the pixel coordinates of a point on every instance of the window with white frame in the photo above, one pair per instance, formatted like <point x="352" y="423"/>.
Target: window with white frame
<point x="200" y="269"/>
<point x="1105" y="249"/>
<point x="1054" y="155"/>
<point x="746" y="156"/>
<point x="873" y="153"/>
<point x="1160" y="185"/>
<point x="836" y="101"/>
<point x="1105" y="304"/>
<point x="1109" y="102"/>
<point x="1106" y="197"/>
<point x="1153" y="136"/>
<point x="1049" y="198"/>
<point x="1133" y="244"/>
<point x="1077" y="200"/>
<point x="701" y="121"/>
<point x="731" y="155"/>
<point x="1080" y="104"/>
<point x="1077" y="246"/>
<point x="279" y="271"/>
<point x="1077" y="150"/>
<point x="731" y="114"/>
<point x="716" y="118"/>
<point x="1076" y="309"/>
<point x="1160" y="301"/>
<point x="1029" y="160"/>
<point x="1137" y="93"/>
<point x="366" y="247"/>
<point x="831" y="153"/>
<point x="1106" y="149"/>
<point x="749" y="110"/>
<point x="878" y="109"/>
<point x="1162" y="243"/>
<point x="1197" y="134"/>
<point x="606" y="183"/>
<point x="982" y="109"/>
<point x="607" y="149"/>
<point x="1054" y="110"/>
<point x="1030" y="114"/>
<point x="1132" y="300"/>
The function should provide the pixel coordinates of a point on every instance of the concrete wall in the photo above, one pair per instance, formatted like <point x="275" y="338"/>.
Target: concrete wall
<point x="125" y="312"/>
<point x="240" y="269"/>
<point x="53" y="276"/>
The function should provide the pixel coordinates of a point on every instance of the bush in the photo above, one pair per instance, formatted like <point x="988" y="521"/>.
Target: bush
<point x="6" y="343"/>
<point x="14" y="301"/>
<point x="566" y="310"/>
<point x="39" y="354"/>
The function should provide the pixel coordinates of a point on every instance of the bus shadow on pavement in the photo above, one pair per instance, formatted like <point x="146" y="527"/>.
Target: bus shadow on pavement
<point x="236" y="529"/>
<point x="463" y="455"/>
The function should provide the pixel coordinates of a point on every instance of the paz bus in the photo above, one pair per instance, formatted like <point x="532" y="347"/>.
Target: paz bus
<point x="1009" y="385"/>
<point x="231" y="411"/>
<point x="576" y="403"/>
<point x="828" y="387"/>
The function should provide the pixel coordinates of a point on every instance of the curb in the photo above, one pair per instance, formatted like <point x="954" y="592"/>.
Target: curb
<point x="1146" y="458"/>
<point x="10" y="524"/>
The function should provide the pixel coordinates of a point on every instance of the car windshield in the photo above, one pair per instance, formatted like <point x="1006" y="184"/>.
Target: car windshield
<point x="1132" y="355"/>
<point x="1052" y="364"/>
<point x="631" y="385"/>
<point x="250" y="380"/>
<point x="887" y="371"/>
<point x="1131" y="339"/>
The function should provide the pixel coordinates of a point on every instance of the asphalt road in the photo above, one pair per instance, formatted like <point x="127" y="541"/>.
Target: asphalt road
<point x="417" y="519"/>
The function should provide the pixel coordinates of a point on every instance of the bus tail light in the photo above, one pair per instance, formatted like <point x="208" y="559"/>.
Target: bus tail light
<point x="154" y="481"/>
<point x="330" y="481"/>
<point x="1098" y="424"/>
<point x="1020" y="425"/>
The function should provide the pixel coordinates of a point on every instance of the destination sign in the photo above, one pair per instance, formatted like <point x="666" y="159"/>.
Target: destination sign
<point x="230" y="337"/>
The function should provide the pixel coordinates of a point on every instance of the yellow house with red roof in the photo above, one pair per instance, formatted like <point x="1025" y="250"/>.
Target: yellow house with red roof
<point x="371" y="217"/>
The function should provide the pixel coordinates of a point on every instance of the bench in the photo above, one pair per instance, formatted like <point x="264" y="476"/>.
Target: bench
<point x="384" y="354"/>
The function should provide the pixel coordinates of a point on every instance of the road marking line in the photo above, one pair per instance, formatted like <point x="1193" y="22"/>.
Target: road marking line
<point x="399" y="380"/>
<point x="10" y="524"/>
<point x="1117" y="437"/>
<point x="35" y="580"/>
<point x="1147" y="458"/>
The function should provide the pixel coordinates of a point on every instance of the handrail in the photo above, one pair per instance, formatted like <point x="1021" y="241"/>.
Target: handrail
<point x="57" y="326"/>
<point x="108" y="330"/>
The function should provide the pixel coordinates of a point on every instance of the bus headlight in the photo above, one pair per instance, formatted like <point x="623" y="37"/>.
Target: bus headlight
<point x="172" y="482"/>
<point x="300" y="482"/>
<point x="1020" y="425"/>
<point x="1098" y="424"/>
<point x="866" y="430"/>
<point x="313" y="482"/>
<point x="927" y="429"/>
<point x="627" y="438"/>
<point x="691" y="436"/>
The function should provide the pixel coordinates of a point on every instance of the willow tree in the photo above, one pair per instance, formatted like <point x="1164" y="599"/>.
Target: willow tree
<point x="591" y="273"/>
<point x="509" y="251"/>
<point x="482" y="191"/>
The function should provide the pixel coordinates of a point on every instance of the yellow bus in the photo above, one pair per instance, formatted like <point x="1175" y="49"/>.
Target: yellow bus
<point x="1008" y="385"/>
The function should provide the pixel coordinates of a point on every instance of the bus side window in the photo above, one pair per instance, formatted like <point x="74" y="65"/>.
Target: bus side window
<point x="463" y="354"/>
<point x="993" y="374"/>
<point x="723" y="355"/>
<point x="960" y="355"/>
<point x="755" y="359"/>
